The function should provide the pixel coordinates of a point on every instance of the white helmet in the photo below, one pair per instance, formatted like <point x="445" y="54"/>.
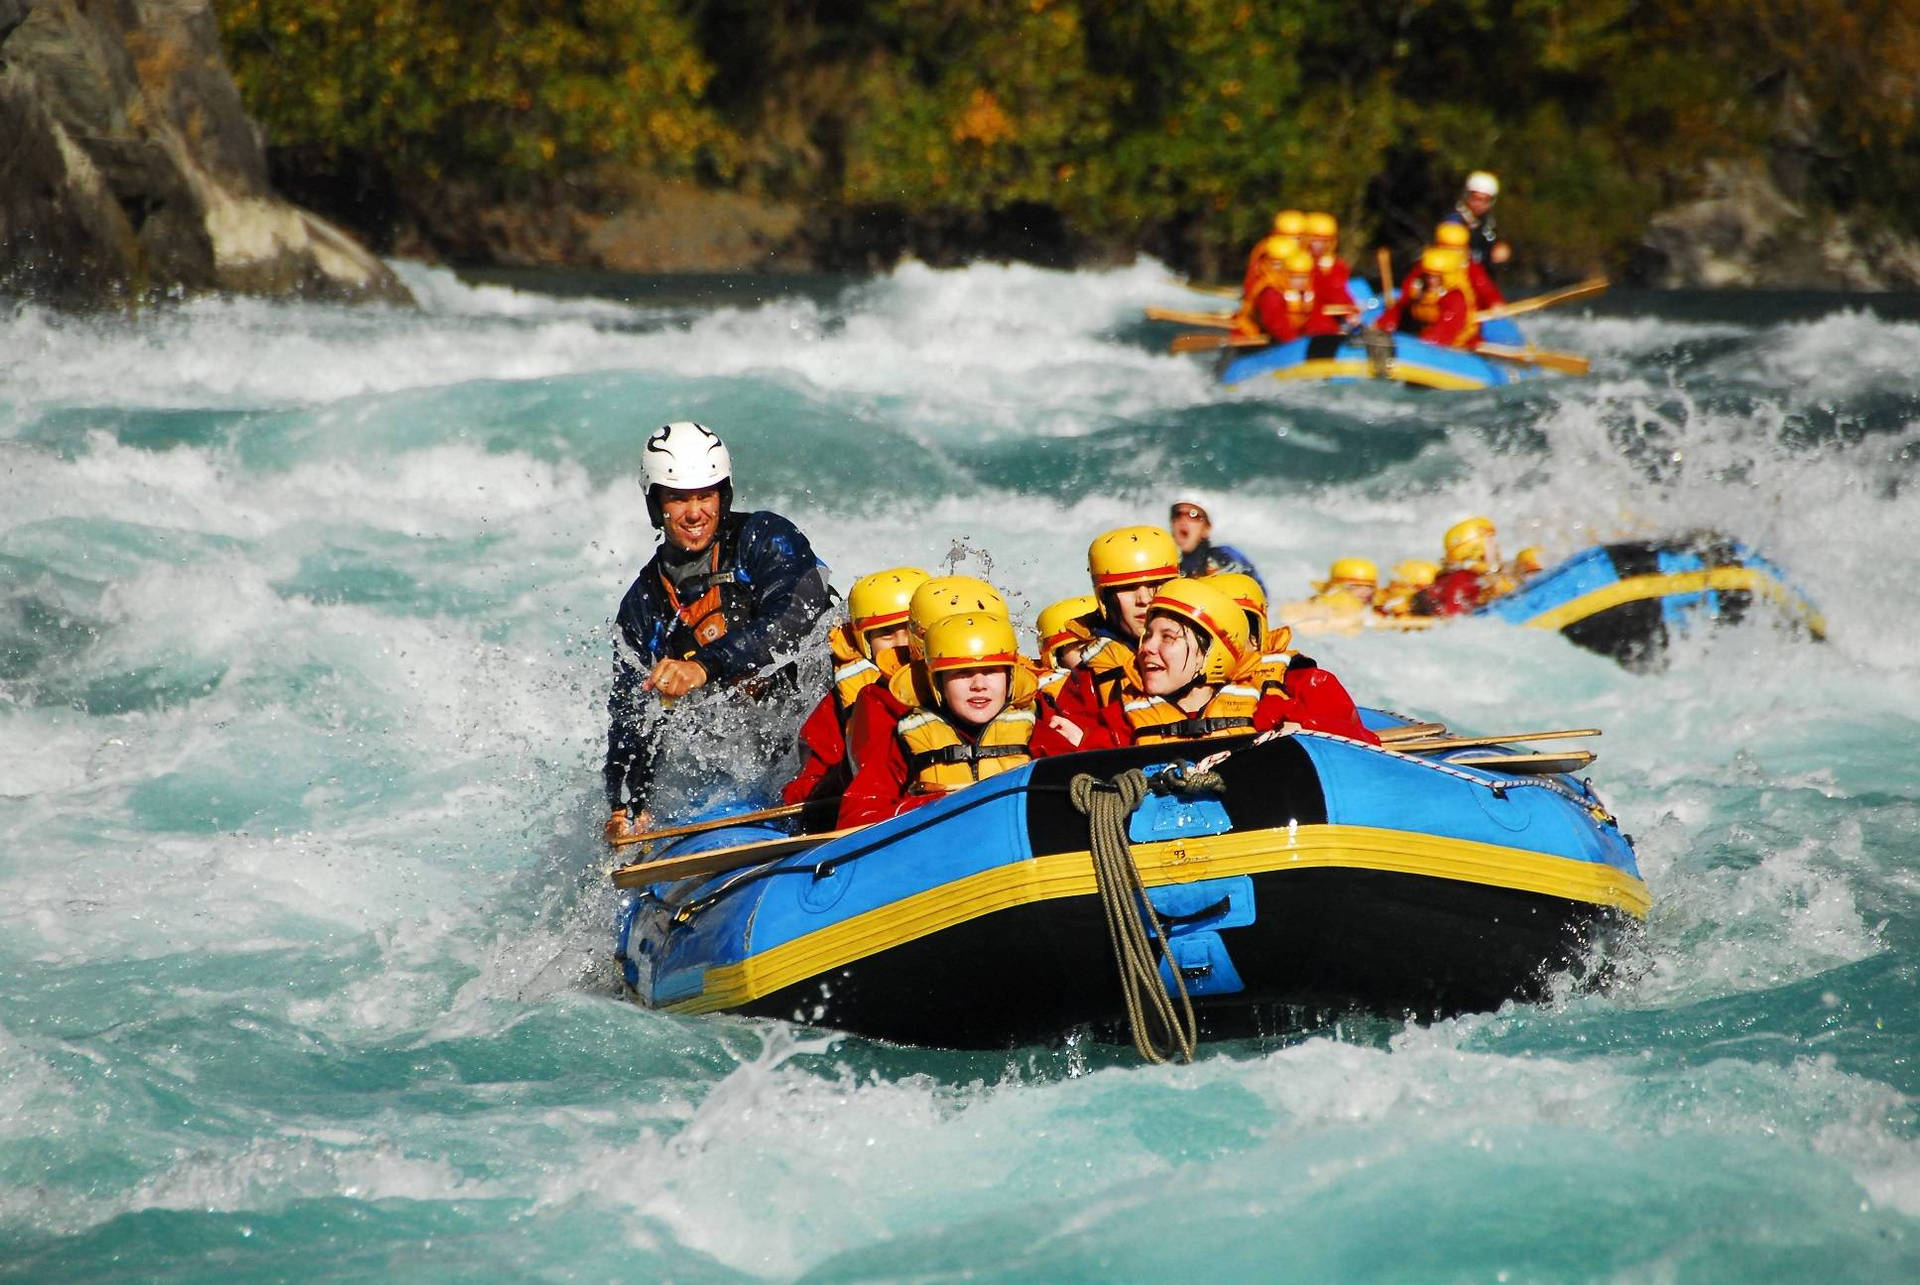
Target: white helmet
<point x="685" y="456"/>
<point x="1484" y="183"/>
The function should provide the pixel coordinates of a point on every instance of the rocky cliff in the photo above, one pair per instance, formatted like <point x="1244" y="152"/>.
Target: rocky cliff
<point x="129" y="170"/>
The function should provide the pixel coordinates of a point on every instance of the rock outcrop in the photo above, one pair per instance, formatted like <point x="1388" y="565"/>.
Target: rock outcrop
<point x="129" y="169"/>
<point x="1744" y="231"/>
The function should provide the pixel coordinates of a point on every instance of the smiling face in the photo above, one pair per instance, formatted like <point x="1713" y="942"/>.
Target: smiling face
<point x="691" y="518"/>
<point x="1169" y="656"/>
<point x="1126" y="609"/>
<point x="975" y="695"/>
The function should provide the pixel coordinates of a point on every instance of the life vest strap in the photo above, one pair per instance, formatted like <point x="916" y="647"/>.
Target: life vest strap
<point x="1190" y="728"/>
<point x="965" y="752"/>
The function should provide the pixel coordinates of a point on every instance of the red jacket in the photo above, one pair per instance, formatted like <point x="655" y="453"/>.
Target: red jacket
<point x="1452" y="593"/>
<point x="824" y="772"/>
<point x="1330" y="293"/>
<point x="1456" y="316"/>
<point x="1309" y="696"/>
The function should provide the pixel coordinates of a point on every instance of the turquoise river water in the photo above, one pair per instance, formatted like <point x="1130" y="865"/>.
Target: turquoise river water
<point x="304" y="926"/>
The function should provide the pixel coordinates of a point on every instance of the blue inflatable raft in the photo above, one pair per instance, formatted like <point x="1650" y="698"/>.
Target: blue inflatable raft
<point x="1377" y="355"/>
<point x="1630" y="600"/>
<point x="1325" y="877"/>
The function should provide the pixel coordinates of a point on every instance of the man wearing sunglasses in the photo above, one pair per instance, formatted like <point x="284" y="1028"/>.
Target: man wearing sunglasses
<point x="1199" y="555"/>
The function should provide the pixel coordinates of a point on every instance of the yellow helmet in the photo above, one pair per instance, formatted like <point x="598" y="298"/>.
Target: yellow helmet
<point x="1443" y="259"/>
<point x="1299" y="263"/>
<point x="1417" y="572"/>
<point x="1224" y="622"/>
<point x="1468" y="531"/>
<point x="1132" y="555"/>
<point x="1289" y="223"/>
<point x="1279" y="247"/>
<point x="1353" y="571"/>
<point x="971" y="640"/>
<point x="1320" y="223"/>
<point x="880" y="601"/>
<point x="1452" y="235"/>
<point x="944" y="596"/>
<point x="1246" y="591"/>
<point x="1243" y="589"/>
<point x="1531" y="558"/>
<point x="1055" y="619"/>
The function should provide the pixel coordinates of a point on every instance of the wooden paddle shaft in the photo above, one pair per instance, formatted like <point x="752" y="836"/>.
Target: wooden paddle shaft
<point x="719" y="860"/>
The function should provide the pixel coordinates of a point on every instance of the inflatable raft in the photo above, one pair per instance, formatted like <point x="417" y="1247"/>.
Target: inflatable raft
<point x="1323" y="877"/>
<point x="1630" y="600"/>
<point x="1377" y="355"/>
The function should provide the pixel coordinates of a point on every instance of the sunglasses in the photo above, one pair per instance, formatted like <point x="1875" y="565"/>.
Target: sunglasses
<point x="1189" y="511"/>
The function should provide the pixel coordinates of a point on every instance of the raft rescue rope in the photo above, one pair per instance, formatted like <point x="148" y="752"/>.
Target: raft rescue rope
<point x="1108" y="805"/>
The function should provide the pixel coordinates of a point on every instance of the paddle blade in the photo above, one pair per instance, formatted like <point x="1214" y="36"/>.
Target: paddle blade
<point x="1208" y="343"/>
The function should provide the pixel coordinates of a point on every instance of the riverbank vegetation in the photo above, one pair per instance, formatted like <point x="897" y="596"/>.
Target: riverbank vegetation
<point x="1088" y="129"/>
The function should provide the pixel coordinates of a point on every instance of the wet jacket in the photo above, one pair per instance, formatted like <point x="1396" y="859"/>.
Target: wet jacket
<point x="1210" y="559"/>
<point x="771" y="591"/>
<point x="1481" y="236"/>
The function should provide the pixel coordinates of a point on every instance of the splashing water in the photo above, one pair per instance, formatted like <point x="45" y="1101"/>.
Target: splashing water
<point x="303" y="651"/>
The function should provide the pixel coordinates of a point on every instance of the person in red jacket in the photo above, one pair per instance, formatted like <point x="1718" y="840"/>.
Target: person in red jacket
<point x="1436" y="303"/>
<point x="975" y="722"/>
<point x="868" y="647"/>
<point x="1126" y="565"/>
<point x="1333" y="307"/>
<point x="1454" y="236"/>
<point x="1467" y="575"/>
<point x="1199" y="673"/>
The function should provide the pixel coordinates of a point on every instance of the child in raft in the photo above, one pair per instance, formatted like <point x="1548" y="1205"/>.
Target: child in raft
<point x="973" y="719"/>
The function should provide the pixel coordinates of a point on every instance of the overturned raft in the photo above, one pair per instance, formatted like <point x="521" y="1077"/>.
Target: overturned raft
<point x="1630" y="600"/>
<point x="1325" y="877"/>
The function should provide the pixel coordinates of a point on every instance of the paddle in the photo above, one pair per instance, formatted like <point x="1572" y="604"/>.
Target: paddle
<point x="1579" y="290"/>
<point x="1411" y="745"/>
<point x="1180" y="316"/>
<point x="1567" y="362"/>
<point x="1409" y="732"/>
<point x="721" y="823"/>
<point x="1204" y="343"/>
<point x="1386" y="275"/>
<point x="719" y="860"/>
<point x="1527" y="764"/>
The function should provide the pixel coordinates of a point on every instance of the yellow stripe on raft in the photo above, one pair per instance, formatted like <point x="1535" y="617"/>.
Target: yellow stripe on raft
<point x="1640" y="588"/>
<point x="1402" y="372"/>
<point x="1070" y="874"/>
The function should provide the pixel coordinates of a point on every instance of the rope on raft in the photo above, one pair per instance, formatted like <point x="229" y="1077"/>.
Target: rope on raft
<point x="1108" y="805"/>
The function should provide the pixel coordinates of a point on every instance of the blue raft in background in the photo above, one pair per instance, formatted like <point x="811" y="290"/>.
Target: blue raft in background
<point x="1376" y="355"/>
<point x="1630" y="600"/>
<point x="1326" y="877"/>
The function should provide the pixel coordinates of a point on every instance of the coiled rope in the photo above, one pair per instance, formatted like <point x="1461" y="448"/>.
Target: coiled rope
<point x="1159" y="1033"/>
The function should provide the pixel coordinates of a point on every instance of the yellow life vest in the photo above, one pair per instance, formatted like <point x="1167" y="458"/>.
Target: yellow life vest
<point x="853" y="673"/>
<point x="940" y="759"/>
<point x="1052" y="681"/>
<point x="1104" y="653"/>
<point x="1155" y="719"/>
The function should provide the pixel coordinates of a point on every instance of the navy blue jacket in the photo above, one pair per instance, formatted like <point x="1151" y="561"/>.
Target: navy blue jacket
<point x="773" y="590"/>
<point x="1209" y="559"/>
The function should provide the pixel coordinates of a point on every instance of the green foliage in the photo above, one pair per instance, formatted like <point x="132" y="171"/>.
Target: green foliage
<point x="440" y="87"/>
<point x="1183" y="122"/>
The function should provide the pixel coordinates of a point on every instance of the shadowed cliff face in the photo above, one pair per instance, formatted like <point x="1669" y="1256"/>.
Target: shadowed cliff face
<point x="132" y="171"/>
